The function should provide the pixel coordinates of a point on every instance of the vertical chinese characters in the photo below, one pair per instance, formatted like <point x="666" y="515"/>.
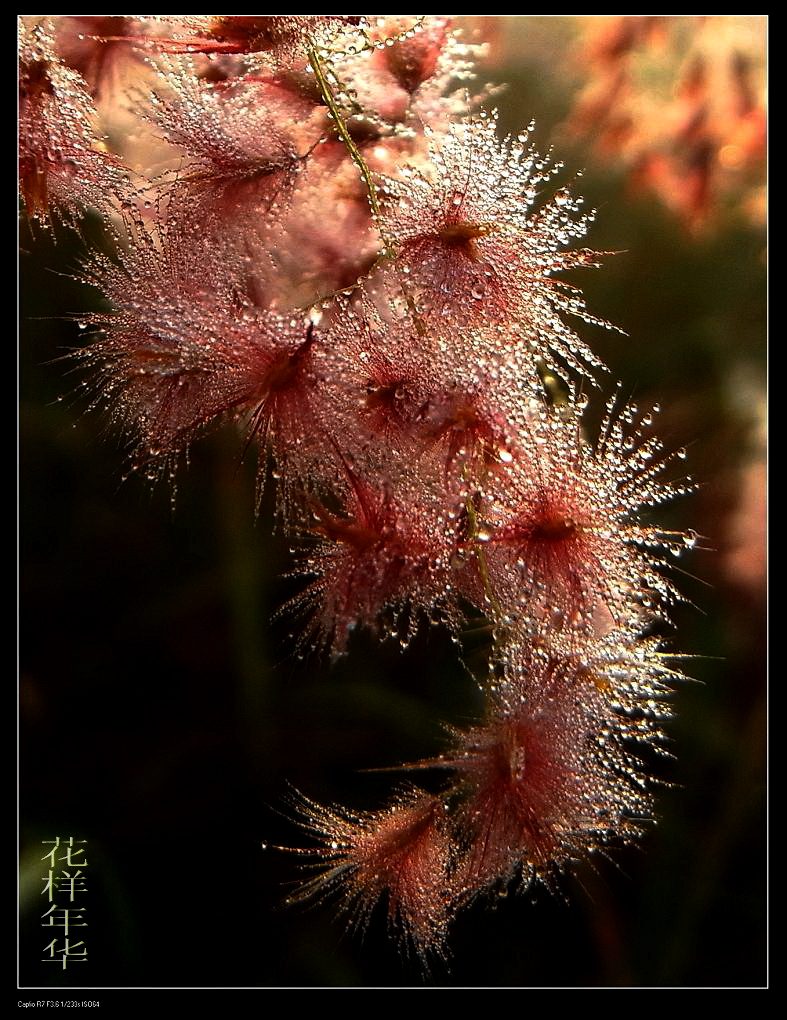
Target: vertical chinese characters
<point x="65" y="891"/>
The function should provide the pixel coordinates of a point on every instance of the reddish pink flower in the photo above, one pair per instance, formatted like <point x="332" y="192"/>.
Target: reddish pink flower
<point x="285" y="37"/>
<point x="184" y="347"/>
<point x="98" y="48"/>
<point x="244" y="145"/>
<point x="324" y="240"/>
<point x="381" y="374"/>
<point x="545" y="779"/>
<point x="63" y="166"/>
<point x="464" y="225"/>
<point x="401" y="854"/>
<point x="402" y="397"/>
<point x="563" y="530"/>
<point x="386" y="558"/>
<point x="414" y="60"/>
<point x="357" y="272"/>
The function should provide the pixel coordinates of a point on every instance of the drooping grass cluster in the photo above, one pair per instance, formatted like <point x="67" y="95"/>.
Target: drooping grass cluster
<point x="315" y="232"/>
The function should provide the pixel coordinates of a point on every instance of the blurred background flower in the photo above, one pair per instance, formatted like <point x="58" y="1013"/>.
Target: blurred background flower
<point x="162" y="711"/>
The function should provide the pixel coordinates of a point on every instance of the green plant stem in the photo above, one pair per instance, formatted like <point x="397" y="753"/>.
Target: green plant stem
<point x="366" y="174"/>
<point x="344" y="133"/>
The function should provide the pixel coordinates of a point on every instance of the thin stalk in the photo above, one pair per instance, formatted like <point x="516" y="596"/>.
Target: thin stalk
<point x="480" y="556"/>
<point x="344" y="133"/>
<point x="321" y="78"/>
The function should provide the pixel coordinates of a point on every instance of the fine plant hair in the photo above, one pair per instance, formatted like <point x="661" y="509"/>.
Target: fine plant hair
<point x="329" y="246"/>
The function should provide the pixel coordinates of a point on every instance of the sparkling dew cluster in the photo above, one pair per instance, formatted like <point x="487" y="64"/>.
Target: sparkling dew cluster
<point x="326" y="241"/>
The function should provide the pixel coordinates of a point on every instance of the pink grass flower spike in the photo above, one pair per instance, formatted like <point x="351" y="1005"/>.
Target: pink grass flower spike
<point x="329" y="247"/>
